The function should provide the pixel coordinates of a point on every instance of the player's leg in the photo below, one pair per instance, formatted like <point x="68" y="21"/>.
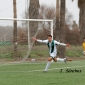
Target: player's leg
<point x="84" y="53"/>
<point x="48" y="64"/>
<point x="59" y="59"/>
<point x="55" y="59"/>
<point x="53" y="55"/>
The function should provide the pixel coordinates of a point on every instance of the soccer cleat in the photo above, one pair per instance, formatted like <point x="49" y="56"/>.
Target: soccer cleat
<point x="65" y="60"/>
<point x="44" y="71"/>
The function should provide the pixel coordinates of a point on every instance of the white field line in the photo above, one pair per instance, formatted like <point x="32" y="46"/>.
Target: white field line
<point x="42" y="70"/>
<point x="18" y="63"/>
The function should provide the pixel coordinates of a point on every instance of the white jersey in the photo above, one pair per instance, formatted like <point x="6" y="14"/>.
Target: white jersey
<point x="52" y="54"/>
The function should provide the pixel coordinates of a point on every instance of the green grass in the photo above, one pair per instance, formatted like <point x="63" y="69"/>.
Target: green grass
<point x="39" y="51"/>
<point x="6" y="52"/>
<point x="74" y="51"/>
<point x="42" y="51"/>
<point x="24" y="74"/>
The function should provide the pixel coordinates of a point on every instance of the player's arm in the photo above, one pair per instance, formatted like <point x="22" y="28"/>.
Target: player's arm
<point x="41" y="41"/>
<point x="58" y="43"/>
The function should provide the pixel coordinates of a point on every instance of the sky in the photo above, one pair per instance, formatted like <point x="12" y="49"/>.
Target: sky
<point x="6" y="8"/>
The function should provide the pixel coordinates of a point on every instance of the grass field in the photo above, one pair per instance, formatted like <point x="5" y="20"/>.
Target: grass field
<point x="32" y="74"/>
<point x="40" y="51"/>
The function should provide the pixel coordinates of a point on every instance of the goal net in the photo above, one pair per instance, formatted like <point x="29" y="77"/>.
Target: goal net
<point x="16" y="38"/>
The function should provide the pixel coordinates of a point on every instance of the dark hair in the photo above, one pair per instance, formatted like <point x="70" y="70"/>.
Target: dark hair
<point x="49" y="35"/>
<point x="84" y="38"/>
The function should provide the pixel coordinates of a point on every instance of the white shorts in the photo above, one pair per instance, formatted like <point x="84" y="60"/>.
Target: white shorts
<point x="53" y="55"/>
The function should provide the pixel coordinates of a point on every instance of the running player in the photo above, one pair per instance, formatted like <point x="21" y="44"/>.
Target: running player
<point x="83" y="46"/>
<point x="52" y="50"/>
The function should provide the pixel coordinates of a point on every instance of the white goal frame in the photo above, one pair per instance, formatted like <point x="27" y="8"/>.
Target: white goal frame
<point x="40" y="20"/>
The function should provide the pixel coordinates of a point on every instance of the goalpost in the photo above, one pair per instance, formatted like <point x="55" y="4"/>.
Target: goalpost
<point x="28" y="20"/>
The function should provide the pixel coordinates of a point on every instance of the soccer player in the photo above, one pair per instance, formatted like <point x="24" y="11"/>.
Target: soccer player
<point x="52" y="50"/>
<point x="83" y="46"/>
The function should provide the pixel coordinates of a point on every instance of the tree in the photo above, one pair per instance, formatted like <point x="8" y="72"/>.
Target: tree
<point x="15" y="29"/>
<point x="33" y="14"/>
<point x="81" y="5"/>
<point x="57" y="20"/>
<point x="47" y="12"/>
<point x="62" y="29"/>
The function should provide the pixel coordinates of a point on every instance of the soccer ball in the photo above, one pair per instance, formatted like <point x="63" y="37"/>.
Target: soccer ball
<point x="32" y="60"/>
<point x="84" y="52"/>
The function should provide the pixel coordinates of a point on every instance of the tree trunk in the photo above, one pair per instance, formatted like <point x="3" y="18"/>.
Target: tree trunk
<point x="62" y="29"/>
<point x="15" y="29"/>
<point x="33" y="14"/>
<point x="81" y="5"/>
<point x="82" y="20"/>
<point x="57" y="20"/>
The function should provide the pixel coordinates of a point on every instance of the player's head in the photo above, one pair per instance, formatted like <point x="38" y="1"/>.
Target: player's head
<point x="49" y="38"/>
<point x="84" y="39"/>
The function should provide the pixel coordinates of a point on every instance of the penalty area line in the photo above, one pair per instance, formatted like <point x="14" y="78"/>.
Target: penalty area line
<point x="41" y="70"/>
